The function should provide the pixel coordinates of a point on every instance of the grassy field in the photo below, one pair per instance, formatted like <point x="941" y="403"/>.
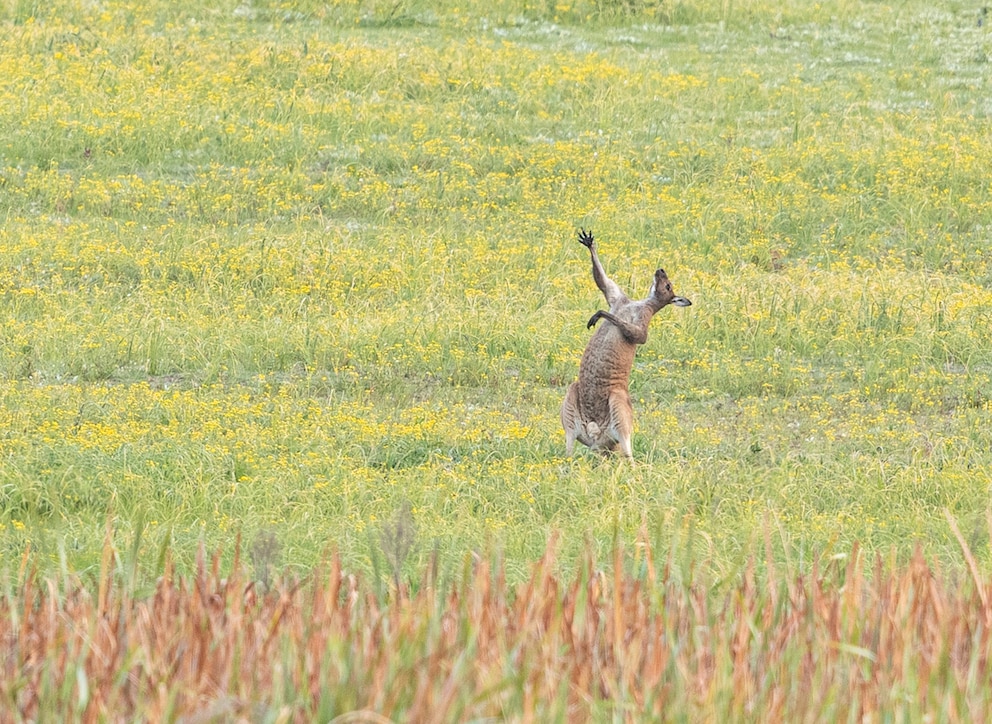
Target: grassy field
<point x="300" y="270"/>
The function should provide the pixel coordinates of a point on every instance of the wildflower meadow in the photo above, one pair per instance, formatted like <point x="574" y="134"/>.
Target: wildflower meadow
<point x="298" y="283"/>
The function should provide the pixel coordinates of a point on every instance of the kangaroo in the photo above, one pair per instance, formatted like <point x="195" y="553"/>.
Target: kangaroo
<point x="597" y="410"/>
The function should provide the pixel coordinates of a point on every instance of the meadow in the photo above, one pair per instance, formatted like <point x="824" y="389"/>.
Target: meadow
<point x="306" y="274"/>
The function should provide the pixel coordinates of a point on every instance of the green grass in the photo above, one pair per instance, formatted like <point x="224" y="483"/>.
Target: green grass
<point x="285" y="269"/>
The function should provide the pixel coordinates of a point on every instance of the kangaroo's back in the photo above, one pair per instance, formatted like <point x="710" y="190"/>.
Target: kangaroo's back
<point x="607" y="360"/>
<point x="605" y="367"/>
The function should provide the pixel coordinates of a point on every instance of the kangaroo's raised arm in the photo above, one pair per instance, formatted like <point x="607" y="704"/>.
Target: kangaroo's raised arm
<point x="610" y="289"/>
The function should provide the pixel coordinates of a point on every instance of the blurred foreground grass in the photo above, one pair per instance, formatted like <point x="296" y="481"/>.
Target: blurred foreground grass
<point x="287" y="270"/>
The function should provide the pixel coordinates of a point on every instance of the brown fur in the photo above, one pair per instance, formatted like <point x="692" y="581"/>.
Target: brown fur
<point x="597" y="410"/>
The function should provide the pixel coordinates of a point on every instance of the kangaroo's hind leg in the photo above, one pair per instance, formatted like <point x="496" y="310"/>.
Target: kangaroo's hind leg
<point x="570" y="417"/>
<point x="622" y="421"/>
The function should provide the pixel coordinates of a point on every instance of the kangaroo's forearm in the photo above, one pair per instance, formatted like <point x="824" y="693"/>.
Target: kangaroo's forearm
<point x="598" y="273"/>
<point x="630" y="332"/>
<point x="606" y="285"/>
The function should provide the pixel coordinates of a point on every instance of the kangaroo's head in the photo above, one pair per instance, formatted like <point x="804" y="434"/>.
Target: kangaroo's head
<point x="662" y="294"/>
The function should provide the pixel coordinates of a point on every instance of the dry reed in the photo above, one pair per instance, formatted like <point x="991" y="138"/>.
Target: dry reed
<point x="650" y="640"/>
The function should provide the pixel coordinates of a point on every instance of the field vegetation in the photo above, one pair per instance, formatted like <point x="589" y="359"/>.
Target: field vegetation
<point x="306" y="273"/>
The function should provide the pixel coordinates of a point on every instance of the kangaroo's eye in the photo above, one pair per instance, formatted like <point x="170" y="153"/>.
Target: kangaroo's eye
<point x="668" y="287"/>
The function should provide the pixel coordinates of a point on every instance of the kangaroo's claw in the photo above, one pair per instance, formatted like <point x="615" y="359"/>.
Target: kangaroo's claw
<point x="585" y="238"/>
<point x="593" y="319"/>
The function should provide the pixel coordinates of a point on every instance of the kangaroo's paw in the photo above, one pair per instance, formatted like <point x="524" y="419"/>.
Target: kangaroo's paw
<point x="585" y="238"/>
